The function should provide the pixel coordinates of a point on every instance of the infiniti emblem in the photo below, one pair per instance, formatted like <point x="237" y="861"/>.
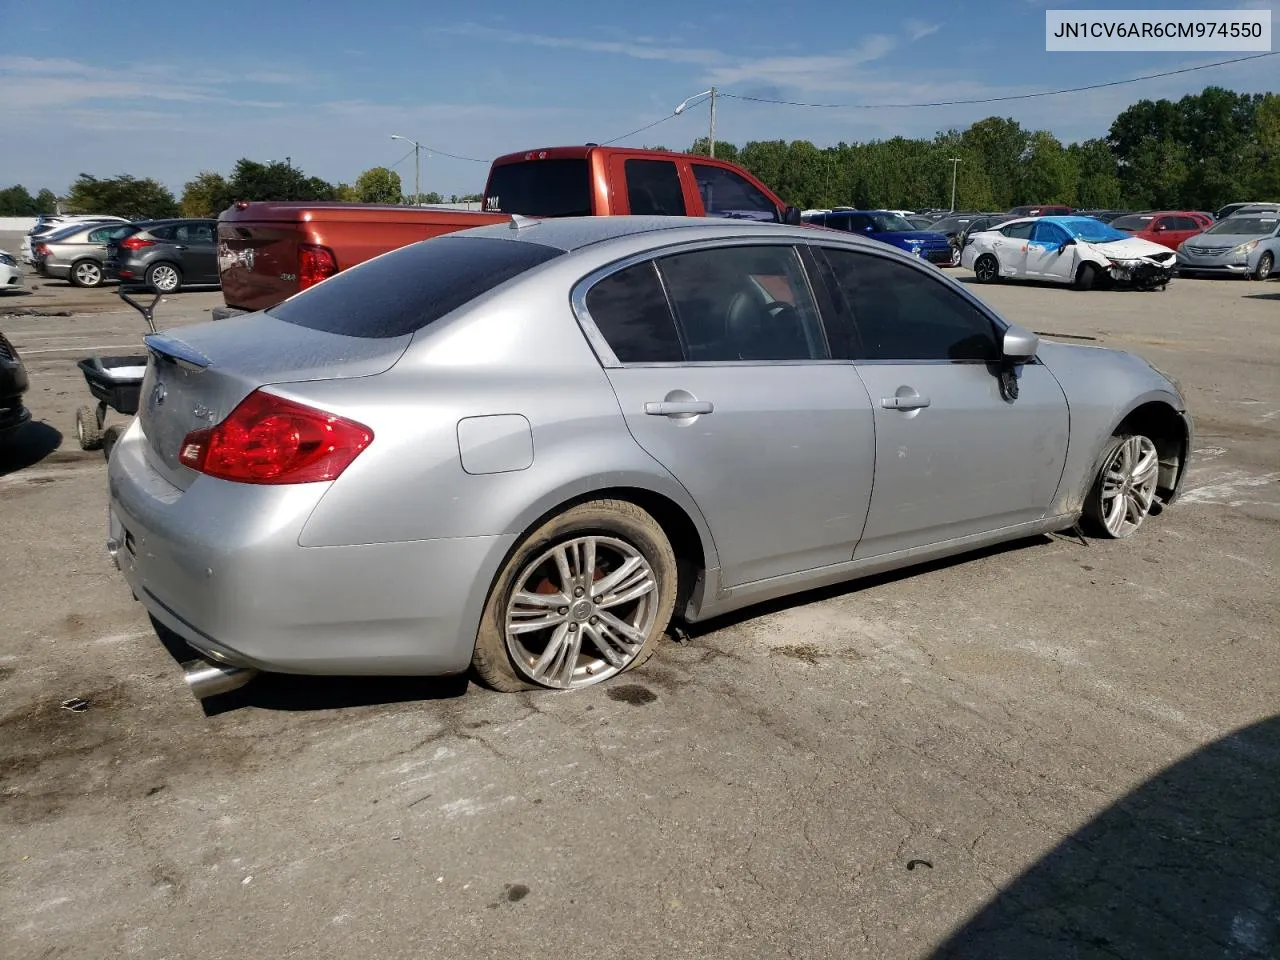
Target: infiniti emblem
<point x="158" y="393"/>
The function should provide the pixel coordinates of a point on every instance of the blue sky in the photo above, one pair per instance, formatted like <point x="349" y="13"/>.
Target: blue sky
<point x="168" y="90"/>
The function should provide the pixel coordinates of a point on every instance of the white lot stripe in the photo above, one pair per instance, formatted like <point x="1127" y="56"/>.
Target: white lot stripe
<point x="134" y="345"/>
<point x="1227" y="488"/>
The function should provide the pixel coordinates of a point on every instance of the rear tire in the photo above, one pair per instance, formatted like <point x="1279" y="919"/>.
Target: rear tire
<point x="513" y="660"/>
<point x="88" y="432"/>
<point x="1086" y="277"/>
<point x="164" y="278"/>
<point x="986" y="269"/>
<point x="86" y="273"/>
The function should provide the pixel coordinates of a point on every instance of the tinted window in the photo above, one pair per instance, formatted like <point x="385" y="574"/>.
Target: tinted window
<point x="1019" y="231"/>
<point x="726" y="194"/>
<point x="744" y="303"/>
<point x="1135" y="223"/>
<point x="163" y="233"/>
<point x="903" y="313"/>
<point x="859" y="222"/>
<point x="193" y="233"/>
<point x="836" y="221"/>
<point x="1050" y="233"/>
<point x="1181" y="223"/>
<point x="653" y="187"/>
<point x="103" y="234"/>
<point x="541" y="188"/>
<point x="631" y="312"/>
<point x="411" y="287"/>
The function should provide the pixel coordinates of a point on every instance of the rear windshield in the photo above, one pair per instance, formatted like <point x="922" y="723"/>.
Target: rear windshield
<point x="409" y="288"/>
<point x="541" y="188"/>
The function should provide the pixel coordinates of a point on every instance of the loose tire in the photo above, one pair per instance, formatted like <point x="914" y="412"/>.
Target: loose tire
<point x="584" y="597"/>
<point x="1266" y="264"/>
<point x="88" y="430"/>
<point x="164" y="278"/>
<point x="986" y="269"/>
<point x="86" y="273"/>
<point x="1124" y="488"/>
<point x="1086" y="277"/>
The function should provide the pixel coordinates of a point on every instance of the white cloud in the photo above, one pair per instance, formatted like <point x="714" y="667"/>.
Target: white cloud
<point x="634" y="49"/>
<point x="916" y="29"/>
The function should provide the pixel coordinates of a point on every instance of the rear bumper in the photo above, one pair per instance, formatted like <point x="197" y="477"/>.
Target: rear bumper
<point x="220" y="565"/>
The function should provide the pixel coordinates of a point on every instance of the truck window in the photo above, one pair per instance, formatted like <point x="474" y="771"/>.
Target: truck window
<point x="541" y="188"/>
<point x="726" y="194"/>
<point x="412" y="287"/>
<point x="653" y="188"/>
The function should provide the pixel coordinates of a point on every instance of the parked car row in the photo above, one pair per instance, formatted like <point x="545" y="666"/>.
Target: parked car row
<point x="163" y="254"/>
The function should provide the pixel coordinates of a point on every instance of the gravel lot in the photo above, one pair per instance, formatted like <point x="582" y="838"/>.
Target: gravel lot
<point x="1048" y="750"/>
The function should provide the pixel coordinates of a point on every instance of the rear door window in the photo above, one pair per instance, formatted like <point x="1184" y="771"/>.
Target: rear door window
<point x="728" y="194"/>
<point x="653" y="188"/>
<point x="1019" y="231"/>
<point x="744" y="303"/>
<point x="631" y="312"/>
<point x="410" y="288"/>
<point x="541" y="188"/>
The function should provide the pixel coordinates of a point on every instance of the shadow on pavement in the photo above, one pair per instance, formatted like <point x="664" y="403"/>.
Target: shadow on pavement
<point x="28" y="445"/>
<point x="1185" y="866"/>
<point x="1263" y="296"/>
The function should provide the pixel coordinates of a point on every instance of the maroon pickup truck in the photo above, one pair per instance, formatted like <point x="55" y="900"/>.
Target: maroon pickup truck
<point x="268" y="251"/>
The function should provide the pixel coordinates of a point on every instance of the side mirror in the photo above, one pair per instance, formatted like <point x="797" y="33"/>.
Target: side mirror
<point x="791" y="215"/>
<point x="1160" y="226"/>
<point x="1020" y="344"/>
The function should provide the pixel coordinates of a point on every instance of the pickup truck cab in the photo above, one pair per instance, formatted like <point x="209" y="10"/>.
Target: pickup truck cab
<point x="268" y="251"/>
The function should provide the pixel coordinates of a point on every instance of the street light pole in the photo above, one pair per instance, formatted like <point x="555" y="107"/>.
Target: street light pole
<point x="417" y="187"/>
<point x="955" y="165"/>
<point x="711" y="142"/>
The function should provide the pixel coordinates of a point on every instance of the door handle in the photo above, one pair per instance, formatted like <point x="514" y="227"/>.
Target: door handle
<point x="677" y="408"/>
<point x="904" y="403"/>
<point x="178" y="246"/>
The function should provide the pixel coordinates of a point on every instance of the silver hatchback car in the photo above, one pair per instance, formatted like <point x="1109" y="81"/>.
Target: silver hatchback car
<point x="524" y="448"/>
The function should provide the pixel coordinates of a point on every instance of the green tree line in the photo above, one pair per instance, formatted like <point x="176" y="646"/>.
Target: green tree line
<point x="1198" y="153"/>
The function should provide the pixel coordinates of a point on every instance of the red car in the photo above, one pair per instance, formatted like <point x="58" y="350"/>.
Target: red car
<point x="1165" y="227"/>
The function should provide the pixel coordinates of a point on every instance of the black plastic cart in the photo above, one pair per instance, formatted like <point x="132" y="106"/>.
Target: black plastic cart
<point x="115" y="382"/>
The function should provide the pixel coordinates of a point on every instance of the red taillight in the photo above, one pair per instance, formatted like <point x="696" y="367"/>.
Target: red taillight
<point x="315" y="263"/>
<point x="268" y="439"/>
<point x="136" y="243"/>
<point x="42" y="250"/>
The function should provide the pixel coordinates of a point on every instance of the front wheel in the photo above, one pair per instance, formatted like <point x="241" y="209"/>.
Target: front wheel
<point x="584" y="597"/>
<point x="1086" y="277"/>
<point x="986" y="269"/>
<point x="88" y="428"/>
<point x="1266" y="264"/>
<point x="1125" y="486"/>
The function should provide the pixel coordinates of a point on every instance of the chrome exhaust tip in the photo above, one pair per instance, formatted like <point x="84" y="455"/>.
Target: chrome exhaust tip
<point x="207" y="679"/>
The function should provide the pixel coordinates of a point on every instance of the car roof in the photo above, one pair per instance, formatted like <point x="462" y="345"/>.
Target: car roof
<point x="577" y="233"/>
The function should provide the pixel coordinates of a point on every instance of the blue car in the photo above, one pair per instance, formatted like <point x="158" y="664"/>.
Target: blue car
<point x="890" y="228"/>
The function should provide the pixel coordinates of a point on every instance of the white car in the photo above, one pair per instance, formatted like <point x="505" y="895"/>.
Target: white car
<point x="10" y="272"/>
<point x="1080" y="251"/>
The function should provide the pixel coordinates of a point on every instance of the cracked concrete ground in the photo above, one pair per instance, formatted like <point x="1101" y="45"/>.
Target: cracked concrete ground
<point x="1047" y="750"/>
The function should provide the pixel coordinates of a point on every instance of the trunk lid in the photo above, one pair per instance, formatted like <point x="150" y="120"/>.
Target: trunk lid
<point x="197" y="375"/>
<point x="258" y="262"/>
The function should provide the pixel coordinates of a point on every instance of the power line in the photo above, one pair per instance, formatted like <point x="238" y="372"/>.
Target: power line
<point x="1019" y="96"/>
<point x="647" y="126"/>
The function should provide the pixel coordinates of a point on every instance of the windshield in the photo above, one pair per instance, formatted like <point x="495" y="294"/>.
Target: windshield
<point x="1245" y="226"/>
<point x="541" y="188"/>
<point x="1131" y="223"/>
<point x="1092" y="231"/>
<point x="891" y="223"/>
<point x="951" y="224"/>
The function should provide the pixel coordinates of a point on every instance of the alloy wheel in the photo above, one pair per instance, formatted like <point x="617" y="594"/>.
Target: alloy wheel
<point x="164" y="278"/>
<point x="1129" y="485"/>
<point x="88" y="274"/>
<point x="580" y="612"/>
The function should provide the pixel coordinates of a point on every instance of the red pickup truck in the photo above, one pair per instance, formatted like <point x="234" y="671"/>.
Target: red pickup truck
<point x="268" y="251"/>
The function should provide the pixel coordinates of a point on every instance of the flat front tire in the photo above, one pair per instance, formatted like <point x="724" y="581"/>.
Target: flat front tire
<point x="583" y="598"/>
<point x="1124" y="488"/>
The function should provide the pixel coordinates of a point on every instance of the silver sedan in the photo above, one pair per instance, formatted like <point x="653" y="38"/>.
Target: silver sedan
<point x="523" y="449"/>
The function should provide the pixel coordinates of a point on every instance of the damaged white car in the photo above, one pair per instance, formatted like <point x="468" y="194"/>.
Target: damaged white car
<point x="1080" y="251"/>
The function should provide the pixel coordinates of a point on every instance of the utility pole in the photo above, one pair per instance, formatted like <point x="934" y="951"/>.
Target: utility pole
<point x="955" y="165"/>
<point x="713" y="122"/>
<point x="417" y="185"/>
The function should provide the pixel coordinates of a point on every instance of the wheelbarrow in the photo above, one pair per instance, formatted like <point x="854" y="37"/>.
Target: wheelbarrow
<point x="115" y="382"/>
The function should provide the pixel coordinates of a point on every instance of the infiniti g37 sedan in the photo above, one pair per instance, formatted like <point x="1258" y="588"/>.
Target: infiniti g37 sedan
<point x="524" y="448"/>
